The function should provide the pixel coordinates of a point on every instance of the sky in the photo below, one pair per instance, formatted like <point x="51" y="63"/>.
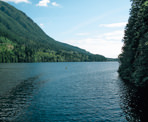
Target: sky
<point x="94" y="25"/>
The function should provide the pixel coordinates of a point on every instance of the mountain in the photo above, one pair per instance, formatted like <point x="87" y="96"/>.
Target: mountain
<point x="134" y="59"/>
<point x="22" y="40"/>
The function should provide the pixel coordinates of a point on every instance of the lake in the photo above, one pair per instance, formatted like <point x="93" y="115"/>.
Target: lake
<point x="67" y="92"/>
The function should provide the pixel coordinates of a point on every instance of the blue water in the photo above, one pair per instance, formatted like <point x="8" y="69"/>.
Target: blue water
<point x="62" y="92"/>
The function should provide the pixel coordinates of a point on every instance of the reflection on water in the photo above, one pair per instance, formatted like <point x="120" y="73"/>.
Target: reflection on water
<point x="13" y="103"/>
<point x="134" y="102"/>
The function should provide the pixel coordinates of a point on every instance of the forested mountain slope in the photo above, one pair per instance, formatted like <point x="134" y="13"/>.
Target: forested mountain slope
<point x="134" y="59"/>
<point x="22" y="40"/>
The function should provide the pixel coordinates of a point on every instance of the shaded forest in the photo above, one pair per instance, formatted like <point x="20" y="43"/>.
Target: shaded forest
<point x="134" y="58"/>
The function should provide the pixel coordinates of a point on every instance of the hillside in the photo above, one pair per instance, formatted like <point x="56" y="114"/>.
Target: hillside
<point x="22" y="40"/>
<point x="134" y="59"/>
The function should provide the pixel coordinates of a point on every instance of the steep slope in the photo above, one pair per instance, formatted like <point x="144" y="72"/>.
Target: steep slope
<point x="134" y="59"/>
<point x="22" y="40"/>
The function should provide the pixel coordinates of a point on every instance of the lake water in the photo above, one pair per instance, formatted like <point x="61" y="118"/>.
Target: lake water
<point x="67" y="92"/>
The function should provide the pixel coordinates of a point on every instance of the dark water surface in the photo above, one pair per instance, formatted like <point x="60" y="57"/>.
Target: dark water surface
<point x="82" y="92"/>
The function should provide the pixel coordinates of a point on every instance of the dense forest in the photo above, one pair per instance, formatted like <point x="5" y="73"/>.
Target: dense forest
<point x="134" y="58"/>
<point x="22" y="40"/>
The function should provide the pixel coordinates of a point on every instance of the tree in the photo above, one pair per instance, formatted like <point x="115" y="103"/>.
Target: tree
<point x="134" y="58"/>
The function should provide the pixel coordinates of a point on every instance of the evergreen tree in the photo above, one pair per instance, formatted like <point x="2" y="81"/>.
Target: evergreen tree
<point x="134" y="58"/>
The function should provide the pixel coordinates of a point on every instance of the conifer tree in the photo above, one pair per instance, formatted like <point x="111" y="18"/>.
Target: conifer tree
<point x="134" y="58"/>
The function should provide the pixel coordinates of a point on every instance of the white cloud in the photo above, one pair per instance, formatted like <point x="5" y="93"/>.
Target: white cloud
<point x="109" y="49"/>
<point x="107" y="44"/>
<point x="17" y="1"/>
<point x="113" y="25"/>
<point x="115" y="35"/>
<point x="55" y="4"/>
<point x="41" y="25"/>
<point x="43" y="3"/>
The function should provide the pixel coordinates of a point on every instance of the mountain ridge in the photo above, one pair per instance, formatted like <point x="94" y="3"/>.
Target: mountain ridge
<point x="22" y="40"/>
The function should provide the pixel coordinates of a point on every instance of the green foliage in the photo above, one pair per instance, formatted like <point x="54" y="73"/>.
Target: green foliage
<point x="134" y="59"/>
<point x="21" y="40"/>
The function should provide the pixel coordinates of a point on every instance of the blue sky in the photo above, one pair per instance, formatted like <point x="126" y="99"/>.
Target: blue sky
<point x="94" y="25"/>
